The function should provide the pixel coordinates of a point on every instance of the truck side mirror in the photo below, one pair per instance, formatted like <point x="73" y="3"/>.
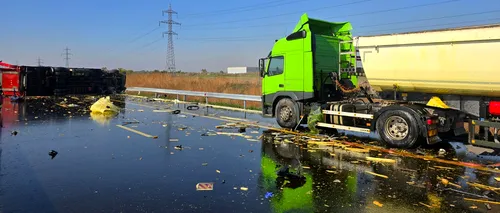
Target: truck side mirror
<point x="261" y="67"/>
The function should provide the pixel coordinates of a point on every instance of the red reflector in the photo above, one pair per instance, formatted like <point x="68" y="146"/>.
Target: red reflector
<point x="429" y="122"/>
<point x="494" y="108"/>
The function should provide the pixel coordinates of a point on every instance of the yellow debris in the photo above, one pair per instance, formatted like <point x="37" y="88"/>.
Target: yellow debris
<point x="378" y="175"/>
<point x="104" y="106"/>
<point x="378" y="203"/>
<point x="381" y="160"/>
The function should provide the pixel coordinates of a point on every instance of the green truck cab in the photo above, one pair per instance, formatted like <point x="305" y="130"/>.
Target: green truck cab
<point x="296" y="71"/>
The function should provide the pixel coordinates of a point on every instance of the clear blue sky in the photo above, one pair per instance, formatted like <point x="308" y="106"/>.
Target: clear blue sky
<point x="213" y="35"/>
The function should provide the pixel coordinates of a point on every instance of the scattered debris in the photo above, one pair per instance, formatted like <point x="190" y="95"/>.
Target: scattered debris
<point x="52" y="154"/>
<point x="336" y="181"/>
<point x="178" y="147"/>
<point x="441" y="152"/>
<point x="201" y="149"/>
<point x="162" y="110"/>
<point x="218" y="171"/>
<point x="193" y="107"/>
<point x="244" y="188"/>
<point x="204" y="164"/>
<point x="268" y="195"/>
<point x="426" y="205"/>
<point x="14" y="133"/>
<point x="378" y="175"/>
<point x="140" y="110"/>
<point x="204" y="186"/>
<point x="378" y="203"/>
<point x="381" y="160"/>
<point x="447" y="182"/>
<point x="173" y="140"/>
<point x="175" y="112"/>
<point x="481" y="201"/>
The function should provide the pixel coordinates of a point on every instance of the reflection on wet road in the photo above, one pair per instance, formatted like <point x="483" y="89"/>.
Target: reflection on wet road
<point x="101" y="167"/>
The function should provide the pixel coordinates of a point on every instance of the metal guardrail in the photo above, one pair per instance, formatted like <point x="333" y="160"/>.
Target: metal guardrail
<point x="207" y="95"/>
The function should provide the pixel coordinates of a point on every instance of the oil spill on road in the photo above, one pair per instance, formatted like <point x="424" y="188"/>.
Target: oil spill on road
<point x="102" y="168"/>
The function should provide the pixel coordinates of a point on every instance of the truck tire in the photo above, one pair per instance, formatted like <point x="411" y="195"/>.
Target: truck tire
<point x="287" y="113"/>
<point x="398" y="128"/>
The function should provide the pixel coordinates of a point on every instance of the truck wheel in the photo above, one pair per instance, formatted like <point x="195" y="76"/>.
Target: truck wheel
<point x="287" y="113"/>
<point x="398" y="128"/>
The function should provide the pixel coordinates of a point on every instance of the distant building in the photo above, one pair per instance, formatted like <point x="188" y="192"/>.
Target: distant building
<point x="241" y="70"/>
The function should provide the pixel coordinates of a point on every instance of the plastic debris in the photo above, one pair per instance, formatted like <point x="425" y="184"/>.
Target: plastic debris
<point x="378" y="203"/>
<point x="204" y="164"/>
<point x="244" y="188"/>
<point x="104" y="106"/>
<point x="176" y="112"/>
<point x="218" y="171"/>
<point x="381" y="160"/>
<point x="336" y="181"/>
<point x="193" y="107"/>
<point x="204" y="186"/>
<point x="173" y="140"/>
<point x="268" y="195"/>
<point x="178" y="147"/>
<point x="52" y="154"/>
<point x="378" y="175"/>
<point x="14" y="133"/>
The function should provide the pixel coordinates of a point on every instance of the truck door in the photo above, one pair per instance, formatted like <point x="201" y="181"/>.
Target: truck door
<point x="274" y="79"/>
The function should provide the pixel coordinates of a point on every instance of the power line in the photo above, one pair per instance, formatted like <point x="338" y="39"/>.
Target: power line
<point x="245" y="8"/>
<point x="356" y="14"/>
<point x="394" y="9"/>
<point x="429" y="19"/>
<point x="434" y="25"/>
<point x="282" y="14"/>
<point x="170" y="62"/>
<point x="66" y="55"/>
<point x="39" y="61"/>
<point x="144" y="35"/>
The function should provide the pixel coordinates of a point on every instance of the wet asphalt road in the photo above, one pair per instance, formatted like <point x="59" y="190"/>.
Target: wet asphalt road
<point x="103" y="168"/>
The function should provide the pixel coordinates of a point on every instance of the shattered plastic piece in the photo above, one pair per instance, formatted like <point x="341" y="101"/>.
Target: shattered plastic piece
<point x="204" y="186"/>
<point x="378" y="175"/>
<point x="218" y="171"/>
<point x="254" y="132"/>
<point x="204" y="164"/>
<point x="178" y="147"/>
<point x="268" y="195"/>
<point x="14" y="133"/>
<point x="176" y="112"/>
<point x="378" y="203"/>
<point x="244" y="188"/>
<point x="336" y="181"/>
<point x="381" y="160"/>
<point x="173" y="140"/>
<point x="52" y="154"/>
<point x="140" y="110"/>
<point x="104" y="106"/>
<point x="201" y="149"/>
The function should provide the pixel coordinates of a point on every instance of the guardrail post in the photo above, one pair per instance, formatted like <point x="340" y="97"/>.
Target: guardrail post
<point x="245" y="108"/>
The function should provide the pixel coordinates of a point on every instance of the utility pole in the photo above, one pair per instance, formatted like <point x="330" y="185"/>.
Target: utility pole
<point x="39" y="61"/>
<point x="170" y="48"/>
<point x="66" y="55"/>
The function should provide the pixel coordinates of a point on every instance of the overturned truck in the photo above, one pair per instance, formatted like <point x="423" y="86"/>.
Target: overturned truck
<point x="60" y="81"/>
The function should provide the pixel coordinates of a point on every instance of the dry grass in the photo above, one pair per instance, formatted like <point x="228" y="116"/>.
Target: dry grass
<point x="248" y="84"/>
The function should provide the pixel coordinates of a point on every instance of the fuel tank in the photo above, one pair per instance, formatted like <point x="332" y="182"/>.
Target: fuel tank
<point x="458" y="61"/>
